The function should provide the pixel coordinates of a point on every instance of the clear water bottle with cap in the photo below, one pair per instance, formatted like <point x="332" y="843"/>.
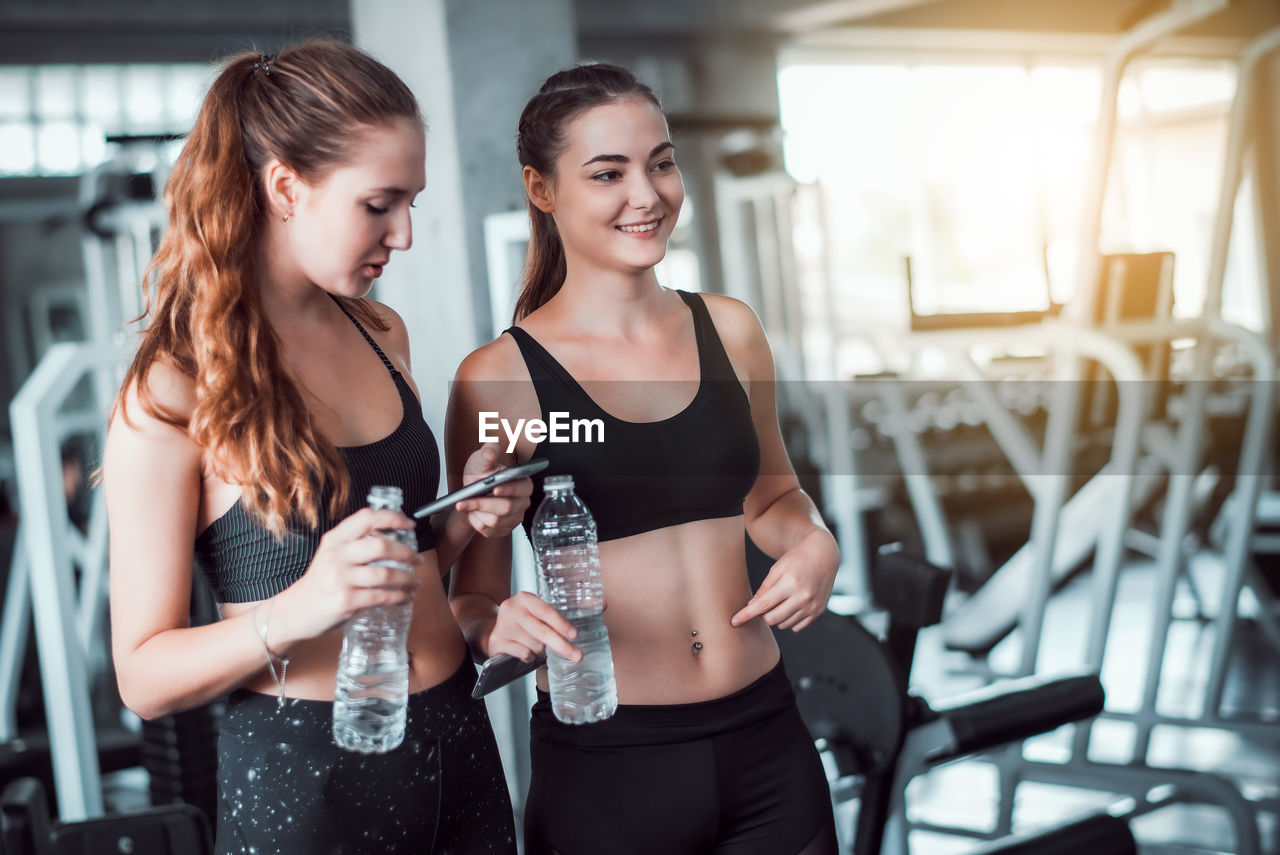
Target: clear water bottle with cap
<point x="372" y="694"/>
<point x="564" y="543"/>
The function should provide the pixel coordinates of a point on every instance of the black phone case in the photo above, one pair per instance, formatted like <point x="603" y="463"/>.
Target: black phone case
<point x="500" y="670"/>
<point x="502" y="476"/>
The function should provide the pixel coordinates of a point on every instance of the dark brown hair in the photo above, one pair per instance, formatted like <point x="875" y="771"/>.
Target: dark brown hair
<point x="306" y="107"/>
<point x="540" y="140"/>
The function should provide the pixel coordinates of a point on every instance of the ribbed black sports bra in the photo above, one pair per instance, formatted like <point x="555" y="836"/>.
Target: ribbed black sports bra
<point x="698" y="464"/>
<point x="244" y="562"/>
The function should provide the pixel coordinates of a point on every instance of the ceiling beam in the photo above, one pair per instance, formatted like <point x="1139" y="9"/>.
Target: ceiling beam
<point x="102" y="43"/>
<point x="825" y="13"/>
<point x="987" y="45"/>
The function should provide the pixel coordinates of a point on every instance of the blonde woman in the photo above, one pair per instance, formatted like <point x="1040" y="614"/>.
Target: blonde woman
<point x="267" y="395"/>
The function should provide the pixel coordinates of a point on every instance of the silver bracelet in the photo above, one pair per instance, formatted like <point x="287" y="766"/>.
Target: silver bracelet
<point x="271" y="657"/>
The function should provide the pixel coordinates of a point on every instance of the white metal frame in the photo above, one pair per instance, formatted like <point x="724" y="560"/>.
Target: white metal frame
<point x="505" y="236"/>
<point x="754" y="222"/>
<point x="63" y="621"/>
<point x="1138" y="779"/>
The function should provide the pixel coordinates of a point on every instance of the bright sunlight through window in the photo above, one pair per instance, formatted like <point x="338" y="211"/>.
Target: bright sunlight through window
<point x="969" y="181"/>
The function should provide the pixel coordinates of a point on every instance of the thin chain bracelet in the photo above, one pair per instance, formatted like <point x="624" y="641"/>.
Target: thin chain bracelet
<point x="271" y="666"/>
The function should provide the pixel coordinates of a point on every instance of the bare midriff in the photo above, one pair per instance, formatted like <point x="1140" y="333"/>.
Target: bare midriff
<point x="436" y="647"/>
<point x="663" y="586"/>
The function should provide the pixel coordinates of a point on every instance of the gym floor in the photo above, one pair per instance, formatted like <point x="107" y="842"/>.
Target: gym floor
<point x="966" y="794"/>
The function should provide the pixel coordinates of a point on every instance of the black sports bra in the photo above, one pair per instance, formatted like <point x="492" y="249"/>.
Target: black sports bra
<point x="245" y="563"/>
<point x="698" y="464"/>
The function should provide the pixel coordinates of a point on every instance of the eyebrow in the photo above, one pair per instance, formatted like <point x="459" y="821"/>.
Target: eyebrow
<point x="622" y="158"/>
<point x="396" y="191"/>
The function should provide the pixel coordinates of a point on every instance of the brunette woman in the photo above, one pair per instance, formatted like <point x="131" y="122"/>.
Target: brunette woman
<point x="707" y="752"/>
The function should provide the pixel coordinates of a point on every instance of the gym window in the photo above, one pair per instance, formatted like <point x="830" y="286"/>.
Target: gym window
<point x="976" y="174"/>
<point x="55" y="119"/>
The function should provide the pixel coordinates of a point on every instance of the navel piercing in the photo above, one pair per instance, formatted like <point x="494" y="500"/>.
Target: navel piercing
<point x="697" y="645"/>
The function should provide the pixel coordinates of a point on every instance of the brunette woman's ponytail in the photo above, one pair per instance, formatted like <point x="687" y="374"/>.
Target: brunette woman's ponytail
<point x="544" y="264"/>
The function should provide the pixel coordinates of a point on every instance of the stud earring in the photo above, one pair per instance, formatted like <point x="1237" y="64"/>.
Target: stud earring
<point x="286" y="217"/>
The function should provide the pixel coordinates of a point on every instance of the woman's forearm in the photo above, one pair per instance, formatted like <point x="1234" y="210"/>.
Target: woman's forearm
<point x="786" y="522"/>
<point x="183" y="668"/>
<point x="476" y="615"/>
<point x="453" y="533"/>
<point x="186" y="667"/>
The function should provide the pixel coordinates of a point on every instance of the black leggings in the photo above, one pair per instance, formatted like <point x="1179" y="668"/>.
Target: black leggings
<point x="284" y="787"/>
<point x="738" y="775"/>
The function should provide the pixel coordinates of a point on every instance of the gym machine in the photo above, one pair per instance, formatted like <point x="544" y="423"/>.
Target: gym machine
<point x="851" y="688"/>
<point x="25" y="828"/>
<point x="58" y="575"/>
<point x="1145" y="455"/>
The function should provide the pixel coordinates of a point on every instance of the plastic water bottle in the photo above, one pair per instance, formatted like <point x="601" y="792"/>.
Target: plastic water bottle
<point x="564" y="541"/>
<point x="372" y="693"/>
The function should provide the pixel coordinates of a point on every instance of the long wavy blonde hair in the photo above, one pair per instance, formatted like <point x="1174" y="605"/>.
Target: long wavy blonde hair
<point x="304" y="107"/>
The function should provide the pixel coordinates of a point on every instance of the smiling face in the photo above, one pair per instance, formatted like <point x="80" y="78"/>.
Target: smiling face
<point x="617" y="192"/>
<point x="342" y="228"/>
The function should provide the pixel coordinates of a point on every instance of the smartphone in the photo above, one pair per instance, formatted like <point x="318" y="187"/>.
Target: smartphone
<point x="498" y="671"/>
<point x="484" y="486"/>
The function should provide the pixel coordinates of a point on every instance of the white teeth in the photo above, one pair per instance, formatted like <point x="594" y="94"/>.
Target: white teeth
<point x="647" y="227"/>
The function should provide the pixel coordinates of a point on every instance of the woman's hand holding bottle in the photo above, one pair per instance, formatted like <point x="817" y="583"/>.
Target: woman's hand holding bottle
<point x="346" y="576"/>
<point x="527" y="625"/>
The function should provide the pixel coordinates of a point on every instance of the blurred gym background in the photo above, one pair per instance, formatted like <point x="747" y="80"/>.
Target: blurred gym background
<point x="1018" y="263"/>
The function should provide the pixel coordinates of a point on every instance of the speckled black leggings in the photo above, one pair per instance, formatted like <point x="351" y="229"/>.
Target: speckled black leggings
<point x="284" y="787"/>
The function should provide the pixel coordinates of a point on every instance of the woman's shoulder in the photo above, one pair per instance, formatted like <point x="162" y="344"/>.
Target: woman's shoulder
<point x="493" y="377"/>
<point x="500" y="359"/>
<point x="387" y="315"/>
<point x="736" y="323"/>
<point x="391" y="333"/>
<point x="148" y="431"/>
<point x="157" y="396"/>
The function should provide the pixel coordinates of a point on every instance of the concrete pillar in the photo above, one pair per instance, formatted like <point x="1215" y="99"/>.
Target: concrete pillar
<point x="472" y="76"/>
<point x="472" y="64"/>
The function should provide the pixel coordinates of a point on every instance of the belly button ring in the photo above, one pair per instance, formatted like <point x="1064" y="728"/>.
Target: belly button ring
<point x="697" y="645"/>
